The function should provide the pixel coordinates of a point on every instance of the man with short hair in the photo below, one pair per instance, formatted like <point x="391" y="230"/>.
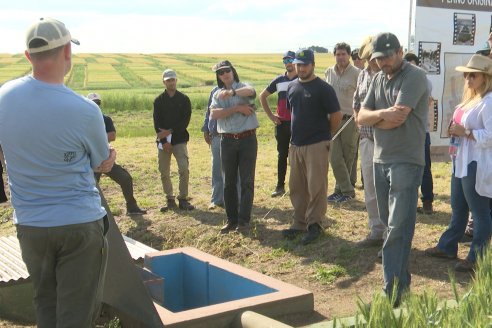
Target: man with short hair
<point x="172" y="113"/>
<point x="282" y="118"/>
<point x="315" y="117"/>
<point x="396" y="105"/>
<point x="118" y="173"/>
<point x="343" y="78"/>
<point x="60" y="222"/>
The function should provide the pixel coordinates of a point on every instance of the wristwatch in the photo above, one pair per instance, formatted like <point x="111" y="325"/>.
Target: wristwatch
<point x="467" y="132"/>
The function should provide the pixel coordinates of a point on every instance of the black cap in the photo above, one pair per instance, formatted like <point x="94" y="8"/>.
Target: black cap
<point x="384" y="44"/>
<point x="289" y="54"/>
<point x="304" y="56"/>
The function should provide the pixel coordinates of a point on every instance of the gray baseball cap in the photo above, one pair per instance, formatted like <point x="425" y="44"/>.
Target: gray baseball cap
<point x="47" y="34"/>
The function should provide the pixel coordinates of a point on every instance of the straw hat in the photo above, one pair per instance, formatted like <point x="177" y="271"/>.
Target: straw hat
<point x="477" y="64"/>
<point x="365" y="50"/>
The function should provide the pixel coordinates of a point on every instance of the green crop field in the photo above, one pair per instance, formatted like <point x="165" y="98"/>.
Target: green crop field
<point x="129" y="82"/>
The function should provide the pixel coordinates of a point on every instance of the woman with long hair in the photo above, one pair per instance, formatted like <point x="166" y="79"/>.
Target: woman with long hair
<point x="471" y="152"/>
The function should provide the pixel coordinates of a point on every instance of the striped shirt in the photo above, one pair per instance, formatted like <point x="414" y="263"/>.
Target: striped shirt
<point x="363" y="83"/>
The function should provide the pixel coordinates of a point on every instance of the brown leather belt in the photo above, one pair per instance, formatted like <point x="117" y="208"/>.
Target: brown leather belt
<point x="241" y="135"/>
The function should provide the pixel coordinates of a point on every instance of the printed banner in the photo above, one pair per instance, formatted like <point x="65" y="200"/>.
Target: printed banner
<point x="445" y="34"/>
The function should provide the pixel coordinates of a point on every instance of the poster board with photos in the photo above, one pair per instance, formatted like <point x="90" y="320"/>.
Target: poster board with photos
<point x="445" y="34"/>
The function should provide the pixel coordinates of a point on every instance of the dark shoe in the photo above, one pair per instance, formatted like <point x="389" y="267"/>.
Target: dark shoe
<point x="436" y="252"/>
<point x="344" y="198"/>
<point x="466" y="239"/>
<point x="464" y="266"/>
<point x="171" y="205"/>
<point x="243" y="227"/>
<point x="136" y="211"/>
<point x="279" y="191"/>
<point x="291" y="233"/>
<point x="228" y="227"/>
<point x="370" y="242"/>
<point x="427" y="207"/>
<point x="314" y="231"/>
<point x="185" y="205"/>
<point x="334" y="197"/>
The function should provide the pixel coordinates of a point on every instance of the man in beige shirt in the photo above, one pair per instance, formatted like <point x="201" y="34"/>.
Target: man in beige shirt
<point x="343" y="78"/>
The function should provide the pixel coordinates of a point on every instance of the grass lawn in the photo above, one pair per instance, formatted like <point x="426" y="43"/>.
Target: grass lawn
<point x="332" y="267"/>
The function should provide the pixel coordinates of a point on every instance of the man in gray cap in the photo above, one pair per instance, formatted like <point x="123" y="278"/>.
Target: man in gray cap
<point x="282" y="117"/>
<point x="172" y="113"/>
<point x="60" y="222"/>
<point x="396" y="106"/>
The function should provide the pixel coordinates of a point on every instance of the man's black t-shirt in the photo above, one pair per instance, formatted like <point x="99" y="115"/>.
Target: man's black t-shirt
<point x="310" y="103"/>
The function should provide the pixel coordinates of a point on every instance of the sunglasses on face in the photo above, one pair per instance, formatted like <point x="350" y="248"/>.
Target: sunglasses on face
<point x="223" y="71"/>
<point x="288" y="60"/>
<point x="469" y="75"/>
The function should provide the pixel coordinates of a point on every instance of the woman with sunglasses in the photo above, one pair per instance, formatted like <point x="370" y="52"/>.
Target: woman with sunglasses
<point x="233" y="108"/>
<point x="471" y="152"/>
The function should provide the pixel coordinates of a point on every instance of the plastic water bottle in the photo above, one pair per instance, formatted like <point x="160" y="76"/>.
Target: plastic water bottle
<point x="454" y="143"/>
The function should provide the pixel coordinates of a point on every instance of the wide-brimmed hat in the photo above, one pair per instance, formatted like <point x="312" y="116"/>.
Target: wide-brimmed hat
<point x="477" y="64"/>
<point x="365" y="50"/>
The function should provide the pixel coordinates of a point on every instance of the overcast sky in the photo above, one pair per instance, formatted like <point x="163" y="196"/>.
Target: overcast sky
<point x="247" y="26"/>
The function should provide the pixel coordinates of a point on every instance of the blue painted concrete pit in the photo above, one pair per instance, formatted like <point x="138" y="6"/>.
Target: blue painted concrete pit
<point x="190" y="283"/>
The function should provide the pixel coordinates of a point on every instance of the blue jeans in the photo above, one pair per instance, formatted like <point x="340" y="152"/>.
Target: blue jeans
<point x="239" y="155"/>
<point x="397" y="194"/>
<point x="464" y="198"/>
<point x="217" y="179"/>
<point x="427" y="187"/>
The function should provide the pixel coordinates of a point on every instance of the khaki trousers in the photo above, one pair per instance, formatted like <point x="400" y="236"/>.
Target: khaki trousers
<point x="343" y="150"/>
<point x="180" y="152"/>
<point x="308" y="183"/>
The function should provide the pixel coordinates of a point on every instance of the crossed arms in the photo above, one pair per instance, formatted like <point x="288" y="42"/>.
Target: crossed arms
<point x="386" y="119"/>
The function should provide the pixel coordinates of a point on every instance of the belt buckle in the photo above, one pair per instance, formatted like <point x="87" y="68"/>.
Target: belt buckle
<point x="236" y="136"/>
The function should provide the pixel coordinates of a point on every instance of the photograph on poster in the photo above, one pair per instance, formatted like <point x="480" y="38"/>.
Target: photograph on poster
<point x="464" y="29"/>
<point x="453" y="87"/>
<point x="430" y="57"/>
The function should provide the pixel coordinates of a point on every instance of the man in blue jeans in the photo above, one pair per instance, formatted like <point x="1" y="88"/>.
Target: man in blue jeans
<point x="212" y="138"/>
<point x="396" y="106"/>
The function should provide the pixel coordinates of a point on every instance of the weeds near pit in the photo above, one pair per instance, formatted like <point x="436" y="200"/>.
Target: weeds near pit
<point x="328" y="275"/>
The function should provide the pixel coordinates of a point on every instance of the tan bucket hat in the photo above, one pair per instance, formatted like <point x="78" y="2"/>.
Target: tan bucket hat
<point x="477" y="64"/>
<point x="365" y="50"/>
